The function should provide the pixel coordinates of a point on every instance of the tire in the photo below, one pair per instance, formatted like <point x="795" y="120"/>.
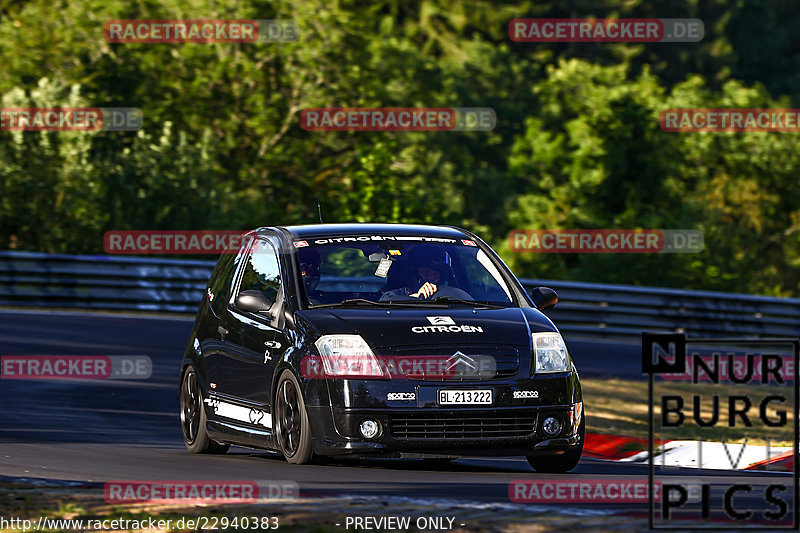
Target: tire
<point x="292" y="430"/>
<point x="193" y="418"/>
<point x="555" y="464"/>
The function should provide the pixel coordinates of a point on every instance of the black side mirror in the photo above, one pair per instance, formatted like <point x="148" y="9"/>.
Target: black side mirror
<point x="253" y="302"/>
<point x="544" y="297"/>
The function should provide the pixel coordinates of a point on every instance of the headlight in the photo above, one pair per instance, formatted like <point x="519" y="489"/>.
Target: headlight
<point x="348" y="356"/>
<point x="550" y="353"/>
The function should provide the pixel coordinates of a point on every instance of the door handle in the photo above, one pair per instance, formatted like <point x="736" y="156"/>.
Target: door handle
<point x="222" y="331"/>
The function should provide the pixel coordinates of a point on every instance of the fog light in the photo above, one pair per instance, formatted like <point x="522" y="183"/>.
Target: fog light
<point x="370" y="428"/>
<point x="551" y="426"/>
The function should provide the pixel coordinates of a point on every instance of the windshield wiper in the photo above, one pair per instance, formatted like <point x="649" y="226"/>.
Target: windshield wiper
<point x="349" y="301"/>
<point x="474" y="303"/>
<point x="364" y="301"/>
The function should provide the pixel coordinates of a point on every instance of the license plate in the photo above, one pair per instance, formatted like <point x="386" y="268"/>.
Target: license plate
<point x="465" y="397"/>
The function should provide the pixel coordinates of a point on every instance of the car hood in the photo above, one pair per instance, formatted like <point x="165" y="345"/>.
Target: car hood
<point x="381" y="327"/>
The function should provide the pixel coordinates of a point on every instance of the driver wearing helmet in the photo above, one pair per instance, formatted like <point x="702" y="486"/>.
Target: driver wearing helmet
<point x="429" y="275"/>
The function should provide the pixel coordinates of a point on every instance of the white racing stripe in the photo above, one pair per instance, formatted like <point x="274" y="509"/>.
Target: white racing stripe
<point x="250" y="415"/>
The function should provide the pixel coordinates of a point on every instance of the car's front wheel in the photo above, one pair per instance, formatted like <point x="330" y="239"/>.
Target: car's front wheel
<point x="193" y="418"/>
<point x="292" y="430"/>
<point x="560" y="463"/>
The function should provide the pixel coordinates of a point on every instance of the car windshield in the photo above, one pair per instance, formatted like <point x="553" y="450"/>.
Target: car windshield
<point x="376" y="270"/>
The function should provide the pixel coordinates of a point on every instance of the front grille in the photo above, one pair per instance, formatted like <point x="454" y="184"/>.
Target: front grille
<point x="463" y="426"/>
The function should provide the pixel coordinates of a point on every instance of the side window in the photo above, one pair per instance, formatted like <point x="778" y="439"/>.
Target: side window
<point x="219" y="286"/>
<point x="262" y="271"/>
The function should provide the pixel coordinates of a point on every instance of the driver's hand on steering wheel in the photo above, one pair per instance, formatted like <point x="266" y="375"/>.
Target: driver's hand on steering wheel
<point x="426" y="291"/>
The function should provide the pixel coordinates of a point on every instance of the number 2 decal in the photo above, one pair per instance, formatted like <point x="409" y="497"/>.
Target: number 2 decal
<point x="256" y="416"/>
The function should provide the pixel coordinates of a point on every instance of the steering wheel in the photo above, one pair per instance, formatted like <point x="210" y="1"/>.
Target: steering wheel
<point x="455" y="292"/>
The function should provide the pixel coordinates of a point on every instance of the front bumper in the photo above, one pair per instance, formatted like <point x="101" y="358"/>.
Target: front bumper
<point x="493" y="431"/>
<point x="512" y="425"/>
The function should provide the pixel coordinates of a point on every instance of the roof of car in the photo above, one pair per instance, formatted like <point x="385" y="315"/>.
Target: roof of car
<point x="342" y="230"/>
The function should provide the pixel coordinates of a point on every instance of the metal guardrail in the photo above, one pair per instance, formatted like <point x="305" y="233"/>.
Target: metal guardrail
<point x="31" y="279"/>
<point x="602" y="310"/>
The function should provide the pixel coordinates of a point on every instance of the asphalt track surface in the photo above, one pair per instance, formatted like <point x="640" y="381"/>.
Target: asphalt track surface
<point x="96" y="431"/>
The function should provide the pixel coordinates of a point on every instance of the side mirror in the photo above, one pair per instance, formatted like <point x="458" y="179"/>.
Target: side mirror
<point x="253" y="302"/>
<point x="544" y="297"/>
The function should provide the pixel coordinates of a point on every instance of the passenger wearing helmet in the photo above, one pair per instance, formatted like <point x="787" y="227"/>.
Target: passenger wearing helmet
<point x="429" y="274"/>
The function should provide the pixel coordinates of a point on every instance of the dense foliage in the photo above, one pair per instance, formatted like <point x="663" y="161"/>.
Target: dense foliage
<point x="577" y="144"/>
